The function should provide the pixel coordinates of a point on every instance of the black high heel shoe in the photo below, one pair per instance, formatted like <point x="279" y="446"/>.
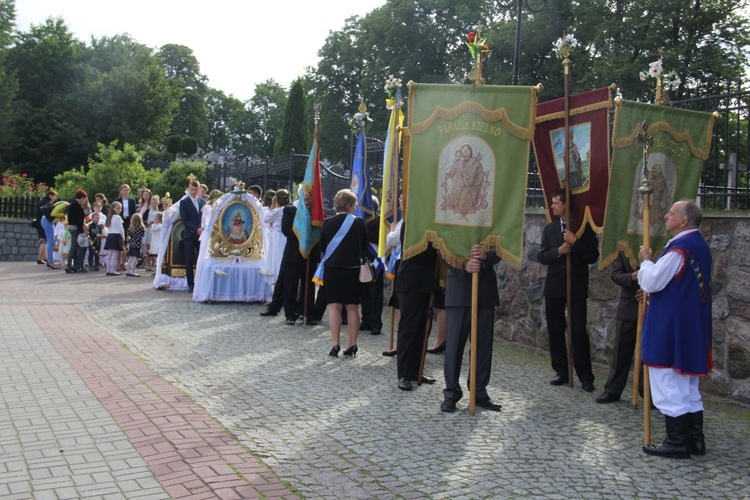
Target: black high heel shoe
<point x="352" y="351"/>
<point x="335" y="351"/>
<point x="437" y="350"/>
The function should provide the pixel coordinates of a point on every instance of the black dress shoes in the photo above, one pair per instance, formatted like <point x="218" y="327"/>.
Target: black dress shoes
<point x="268" y="312"/>
<point x="559" y="380"/>
<point x="607" y="397"/>
<point x="488" y="404"/>
<point x="390" y="354"/>
<point x="427" y="380"/>
<point x="448" y="406"/>
<point x="404" y="383"/>
<point x="291" y="321"/>
<point x="375" y="331"/>
<point x="587" y="386"/>
<point x="311" y="322"/>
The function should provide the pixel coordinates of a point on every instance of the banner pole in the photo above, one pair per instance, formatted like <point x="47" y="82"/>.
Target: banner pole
<point x="473" y="364"/>
<point x="645" y="190"/>
<point x="566" y="218"/>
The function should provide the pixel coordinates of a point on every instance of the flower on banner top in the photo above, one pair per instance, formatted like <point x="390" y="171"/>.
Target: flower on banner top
<point x="358" y="121"/>
<point x="564" y="45"/>
<point x="392" y="84"/>
<point x="656" y="70"/>
<point x="477" y="45"/>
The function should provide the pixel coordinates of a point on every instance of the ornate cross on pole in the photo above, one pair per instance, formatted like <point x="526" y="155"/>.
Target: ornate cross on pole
<point x="645" y="191"/>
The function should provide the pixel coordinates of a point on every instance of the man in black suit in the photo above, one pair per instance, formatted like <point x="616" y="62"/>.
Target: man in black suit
<point x="458" y="319"/>
<point x="294" y="268"/>
<point x="417" y="281"/>
<point x="626" y="317"/>
<point x="557" y="242"/>
<point x="190" y="214"/>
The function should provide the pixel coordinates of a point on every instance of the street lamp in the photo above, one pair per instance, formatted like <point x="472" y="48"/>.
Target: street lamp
<point x="517" y="49"/>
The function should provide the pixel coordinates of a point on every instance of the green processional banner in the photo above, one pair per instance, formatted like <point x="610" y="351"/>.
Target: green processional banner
<point x="681" y="143"/>
<point x="466" y="164"/>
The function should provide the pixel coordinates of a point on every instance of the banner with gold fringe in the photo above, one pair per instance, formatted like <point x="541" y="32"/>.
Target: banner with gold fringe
<point x="589" y="154"/>
<point x="467" y="149"/>
<point x="681" y="143"/>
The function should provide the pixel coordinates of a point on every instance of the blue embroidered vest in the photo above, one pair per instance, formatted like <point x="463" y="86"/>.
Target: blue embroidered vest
<point x="677" y="326"/>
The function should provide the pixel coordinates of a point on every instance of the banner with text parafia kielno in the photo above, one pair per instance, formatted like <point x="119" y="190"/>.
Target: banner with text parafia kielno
<point x="465" y="180"/>
<point x="681" y="143"/>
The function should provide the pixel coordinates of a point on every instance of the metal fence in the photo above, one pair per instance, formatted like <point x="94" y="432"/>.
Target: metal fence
<point x="22" y="207"/>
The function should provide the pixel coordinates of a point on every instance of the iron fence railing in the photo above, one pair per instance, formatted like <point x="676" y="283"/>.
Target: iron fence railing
<point x="21" y="207"/>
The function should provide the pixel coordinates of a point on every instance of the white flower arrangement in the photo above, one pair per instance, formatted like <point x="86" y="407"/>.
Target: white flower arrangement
<point x="358" y="121"/>
<point x="392" y="84"/>
<point x="564" y="45"/>
<point x="656" y="70"/>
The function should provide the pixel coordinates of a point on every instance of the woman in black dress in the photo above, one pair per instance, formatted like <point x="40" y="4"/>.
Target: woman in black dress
<point x="341" y="269"/>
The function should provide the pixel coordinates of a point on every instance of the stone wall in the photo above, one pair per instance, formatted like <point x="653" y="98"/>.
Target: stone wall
<point x="18" y="240"/>
<point x="520" y="317"/>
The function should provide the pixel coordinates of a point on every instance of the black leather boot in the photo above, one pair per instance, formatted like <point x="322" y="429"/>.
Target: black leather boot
<point x="697" y="441"/>
<point x="677" y="443"/>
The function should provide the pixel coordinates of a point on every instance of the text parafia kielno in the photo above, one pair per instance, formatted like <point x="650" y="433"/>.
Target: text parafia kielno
<point x="473" y="125"/>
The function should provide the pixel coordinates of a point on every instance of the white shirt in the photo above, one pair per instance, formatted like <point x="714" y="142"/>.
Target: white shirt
<point x="125" y="207"/>
<point x="655" y="276"/>
<point x="115" y="225"/>
<point x="393" y="239"/>
<point x="273" y="218"/>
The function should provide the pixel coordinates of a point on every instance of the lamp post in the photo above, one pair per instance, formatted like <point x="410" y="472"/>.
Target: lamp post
<point x="517" y="48"/>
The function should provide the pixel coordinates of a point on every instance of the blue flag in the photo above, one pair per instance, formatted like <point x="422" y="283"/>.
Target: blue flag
<point x="360" y="184"/>
<point x="307" y="221"/>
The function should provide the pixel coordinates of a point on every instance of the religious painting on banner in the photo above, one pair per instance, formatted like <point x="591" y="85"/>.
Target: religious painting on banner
<point x="681" y="143"/>
<point x="465" y="169"/>
<point x="588" y="154"/>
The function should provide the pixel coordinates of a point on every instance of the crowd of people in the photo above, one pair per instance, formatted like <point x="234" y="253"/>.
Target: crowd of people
<point x="676" y="339"/>
<point x="81" y="236"/>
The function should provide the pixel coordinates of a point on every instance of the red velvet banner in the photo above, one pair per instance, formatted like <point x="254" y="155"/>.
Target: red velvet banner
<point x="589" y="154"/>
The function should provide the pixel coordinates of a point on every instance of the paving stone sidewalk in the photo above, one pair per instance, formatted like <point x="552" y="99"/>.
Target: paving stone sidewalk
<point x="302" y="422"/>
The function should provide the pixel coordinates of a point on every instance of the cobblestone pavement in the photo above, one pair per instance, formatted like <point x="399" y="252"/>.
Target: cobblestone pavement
<point x="324" y="427"/>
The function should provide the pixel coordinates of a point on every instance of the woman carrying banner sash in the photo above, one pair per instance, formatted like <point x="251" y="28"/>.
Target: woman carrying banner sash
<point x="343" y="243"/>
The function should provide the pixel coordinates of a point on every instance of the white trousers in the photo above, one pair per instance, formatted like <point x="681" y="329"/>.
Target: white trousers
<point x="674" y="393"/>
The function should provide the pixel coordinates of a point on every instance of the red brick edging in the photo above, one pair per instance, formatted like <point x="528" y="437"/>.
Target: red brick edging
<point x="190" y="454"/>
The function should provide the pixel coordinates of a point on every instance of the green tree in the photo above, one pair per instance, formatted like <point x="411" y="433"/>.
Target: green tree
<point x="267" y="110"/>
<point x="295" y="133"/>
<point x="183" y="72"/>
<point x="189" y="146"/>
<point x="174" y="179"/>
<point x="8" y="81"/>
<point x="230" y="123"/>
<point x="174" y="145"/>
<point x="128" y="97"/>
<point x="110" y="168"/>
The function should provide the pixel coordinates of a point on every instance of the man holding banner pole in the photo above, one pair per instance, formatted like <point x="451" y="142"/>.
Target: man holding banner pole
<point x="458" y="305"/>
<point x="559" y="242"/>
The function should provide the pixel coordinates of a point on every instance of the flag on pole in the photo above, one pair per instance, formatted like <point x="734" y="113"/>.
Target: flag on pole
<point x="390" y="171"/>
<point x="681" y="143"/>
<point x="465" y="181"/>
<point x="310" y="212"/>
<point x="589" y="154"/>
<point x="360" y="183"/>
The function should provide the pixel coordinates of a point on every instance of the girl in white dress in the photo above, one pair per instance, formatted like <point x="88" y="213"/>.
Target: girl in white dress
<point x="153" y="209"/>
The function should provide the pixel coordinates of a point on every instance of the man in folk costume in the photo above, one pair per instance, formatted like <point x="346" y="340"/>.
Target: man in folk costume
<point x="676" y="342"/>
